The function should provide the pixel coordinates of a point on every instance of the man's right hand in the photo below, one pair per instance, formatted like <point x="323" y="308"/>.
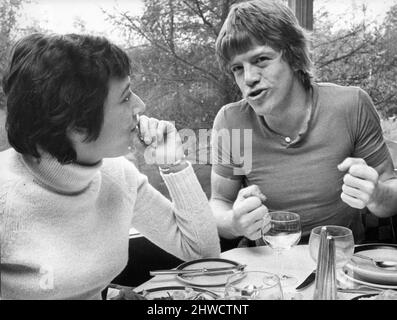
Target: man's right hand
<point x="250" y="215"/>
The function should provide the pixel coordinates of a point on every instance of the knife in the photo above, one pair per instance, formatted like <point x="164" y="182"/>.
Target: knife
<point x="201" y="271"/>
<point x="359" y="291"/>
<point x="307" y="282"/>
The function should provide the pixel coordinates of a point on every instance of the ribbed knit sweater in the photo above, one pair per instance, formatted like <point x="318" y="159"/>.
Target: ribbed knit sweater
<point x="64" y="229"/>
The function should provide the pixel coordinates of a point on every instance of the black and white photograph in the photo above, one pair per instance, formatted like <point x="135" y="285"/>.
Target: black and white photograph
<point x="212" y="150"/>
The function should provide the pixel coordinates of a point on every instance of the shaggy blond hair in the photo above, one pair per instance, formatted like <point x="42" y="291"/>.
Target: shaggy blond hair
<point x="265" y="22"/>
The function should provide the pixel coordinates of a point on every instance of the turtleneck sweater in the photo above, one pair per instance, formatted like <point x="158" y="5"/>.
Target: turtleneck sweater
<point x="64" y="229"/>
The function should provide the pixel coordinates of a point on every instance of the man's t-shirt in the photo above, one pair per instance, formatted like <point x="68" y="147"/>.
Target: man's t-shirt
<point x="302" y="175"/>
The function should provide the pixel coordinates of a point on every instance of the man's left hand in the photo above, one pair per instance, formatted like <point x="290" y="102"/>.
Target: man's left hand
<point x="359" y="183"/>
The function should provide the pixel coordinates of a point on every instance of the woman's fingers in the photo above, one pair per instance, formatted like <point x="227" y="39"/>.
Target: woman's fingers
<point x="144" y="130"/>
<point x="164" y="145"/>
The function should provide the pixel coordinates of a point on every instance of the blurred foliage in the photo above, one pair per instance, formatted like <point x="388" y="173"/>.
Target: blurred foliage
<point x="9" y="32"/>
<point x="175" y="70"/>
<point x="364" y="55"/>
<point x="389" y="127"/>
<point x="8" y="13"/>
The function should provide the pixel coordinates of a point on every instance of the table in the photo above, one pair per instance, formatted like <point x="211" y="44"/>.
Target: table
<point x="296" y="262"/>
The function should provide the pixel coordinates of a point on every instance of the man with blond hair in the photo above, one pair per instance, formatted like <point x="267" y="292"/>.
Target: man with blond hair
<point x="317" y="148"/>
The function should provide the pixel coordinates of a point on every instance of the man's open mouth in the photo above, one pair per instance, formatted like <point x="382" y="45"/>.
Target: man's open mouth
<point x="256" y="93"/>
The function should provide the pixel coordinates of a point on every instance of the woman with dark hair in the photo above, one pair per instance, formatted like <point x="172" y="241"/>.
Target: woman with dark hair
<point x="67" y="196"/>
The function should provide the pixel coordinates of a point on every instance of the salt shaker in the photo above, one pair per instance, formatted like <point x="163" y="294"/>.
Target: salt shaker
<point x="325" y="285"/>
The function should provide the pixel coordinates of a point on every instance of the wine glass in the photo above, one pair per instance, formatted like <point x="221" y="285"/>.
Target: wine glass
<point x="253" y="285"/>
<point x="344" y="244"/>
<point x="285" y="232"/>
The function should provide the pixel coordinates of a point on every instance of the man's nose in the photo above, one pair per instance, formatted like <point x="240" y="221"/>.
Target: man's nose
<point x="251" y="75"/>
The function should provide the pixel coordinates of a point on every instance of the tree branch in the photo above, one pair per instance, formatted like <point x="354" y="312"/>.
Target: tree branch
<point x="338" y="58"/>
<point x="208" y="75"/>
<point x="198" y="11"/>
<point x="342" y="37"/>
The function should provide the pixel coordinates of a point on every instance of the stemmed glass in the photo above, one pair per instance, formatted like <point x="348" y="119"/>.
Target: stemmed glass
<point x="253" y="285"/>
<point x="285" y="232"/>
<point x="344" y="244"/>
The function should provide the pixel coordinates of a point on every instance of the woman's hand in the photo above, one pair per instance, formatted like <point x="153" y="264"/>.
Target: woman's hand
<point x="162" y="141"/>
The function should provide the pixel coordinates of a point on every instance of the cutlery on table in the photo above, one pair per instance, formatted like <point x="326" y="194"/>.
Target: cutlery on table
<point x="200" y="271"/>
<point x="360" y="291"/>
<point x="384" y="264"/>
<point x="307" y="282"/>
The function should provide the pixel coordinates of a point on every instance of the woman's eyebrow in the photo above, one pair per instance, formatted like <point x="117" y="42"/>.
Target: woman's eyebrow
<point x="127" y="87"/>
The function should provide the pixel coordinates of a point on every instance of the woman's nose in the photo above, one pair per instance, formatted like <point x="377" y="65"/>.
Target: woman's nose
<point x="138" y="105"/>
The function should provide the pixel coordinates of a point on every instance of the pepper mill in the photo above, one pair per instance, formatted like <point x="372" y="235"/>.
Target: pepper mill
<point x="325" y="285"/>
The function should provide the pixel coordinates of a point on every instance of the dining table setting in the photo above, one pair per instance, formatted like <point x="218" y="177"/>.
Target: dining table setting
<point x="297" y="262"/>
<point x="331" y="267"/>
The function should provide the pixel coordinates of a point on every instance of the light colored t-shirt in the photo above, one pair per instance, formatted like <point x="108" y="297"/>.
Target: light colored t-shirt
<point x="302" y="175"/>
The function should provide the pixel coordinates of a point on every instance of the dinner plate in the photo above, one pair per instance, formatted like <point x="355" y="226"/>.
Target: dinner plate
<point x="365" y="272"/>
<point x="178" y="293"/>
<point x="350" y="276"/>
<point x="206" y="280"/>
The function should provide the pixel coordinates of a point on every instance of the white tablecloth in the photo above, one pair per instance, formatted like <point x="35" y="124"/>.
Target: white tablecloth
<point x="296" y="262"/>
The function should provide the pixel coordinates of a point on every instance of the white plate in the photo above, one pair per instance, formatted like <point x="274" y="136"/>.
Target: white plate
<point x="368" y="284"/>
<point x="206" y="280"/>
<point x="365" y="272"/>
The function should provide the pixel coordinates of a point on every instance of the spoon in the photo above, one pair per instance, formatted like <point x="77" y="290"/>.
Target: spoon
<point x="383" y="264"/>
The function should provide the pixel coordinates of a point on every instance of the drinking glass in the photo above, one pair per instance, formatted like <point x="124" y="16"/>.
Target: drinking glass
<point x="253" y="285"/>
<point x="285" y="232"/>
<point x="344" y="244"/>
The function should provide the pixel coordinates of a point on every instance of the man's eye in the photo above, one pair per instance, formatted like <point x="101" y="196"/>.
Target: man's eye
<point x="235" y="69"/>
<point x="262" y="59"/>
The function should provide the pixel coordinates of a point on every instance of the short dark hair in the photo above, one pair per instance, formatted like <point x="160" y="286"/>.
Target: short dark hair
<point x="268" y="23"/>
<point x="55" y="83"/>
